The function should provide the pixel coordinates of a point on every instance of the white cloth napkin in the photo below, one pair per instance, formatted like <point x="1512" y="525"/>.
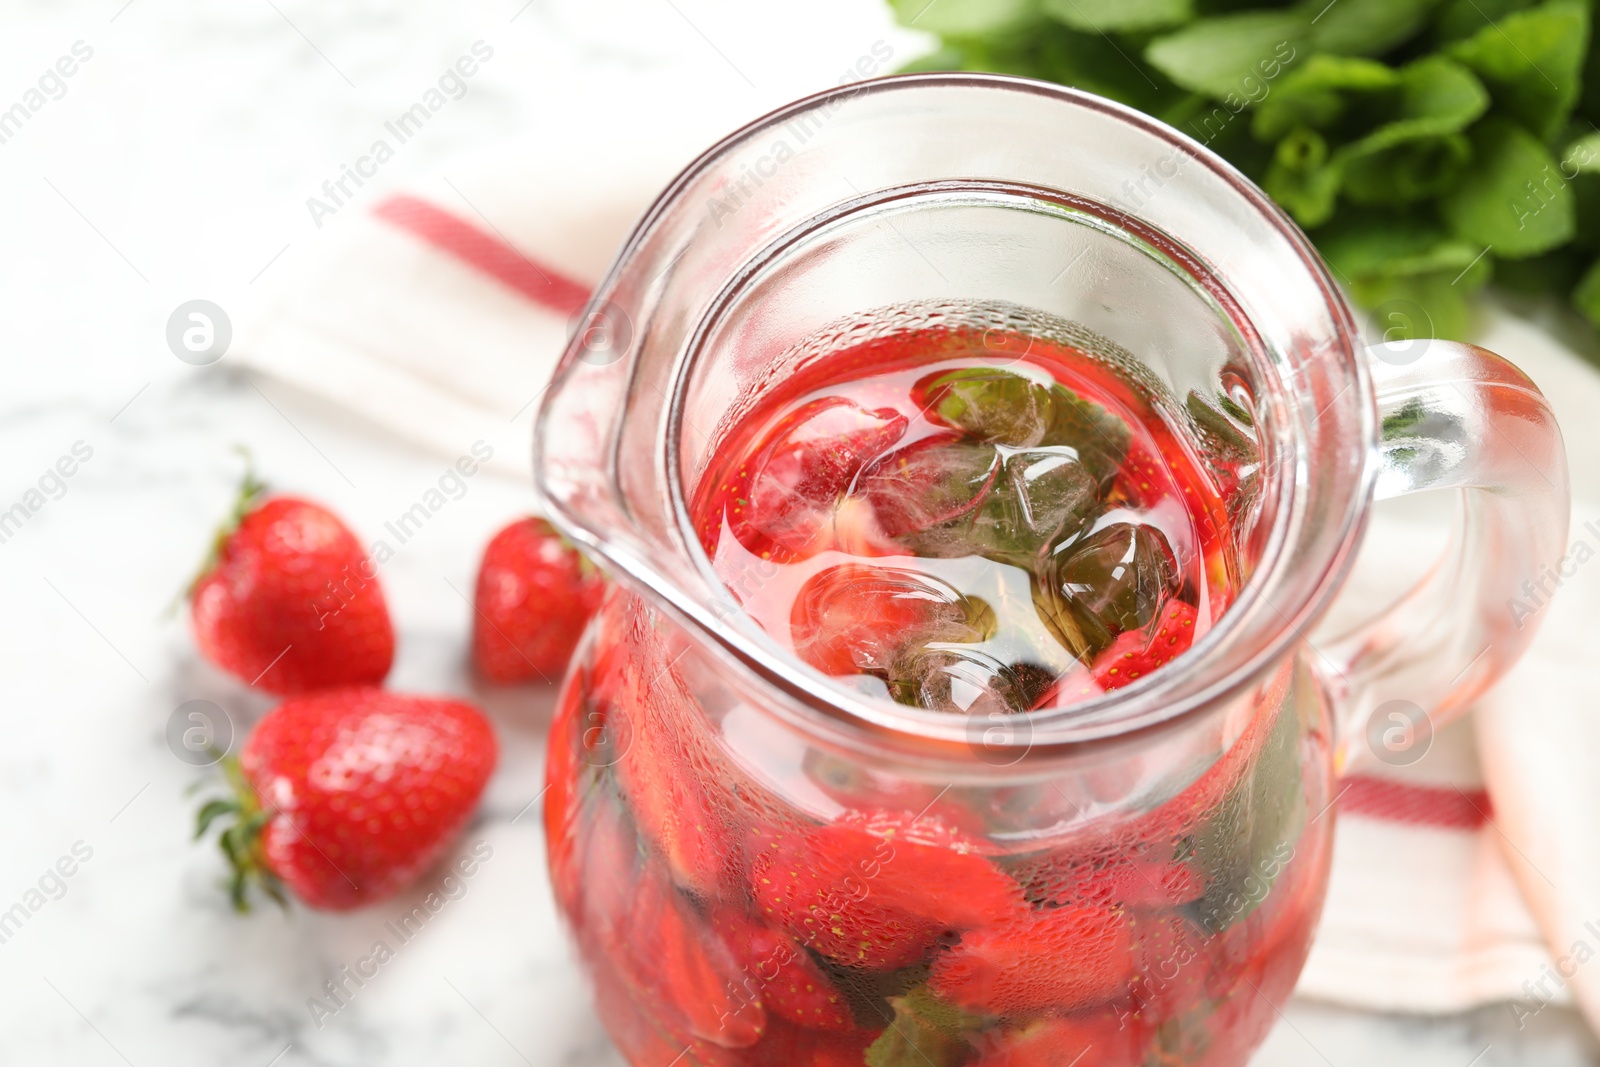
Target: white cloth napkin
<point x="442" y="310"/>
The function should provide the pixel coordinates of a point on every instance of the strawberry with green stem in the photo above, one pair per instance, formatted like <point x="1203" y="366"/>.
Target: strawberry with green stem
<point x="287" y="599"/>
<point x="345" y="797"/>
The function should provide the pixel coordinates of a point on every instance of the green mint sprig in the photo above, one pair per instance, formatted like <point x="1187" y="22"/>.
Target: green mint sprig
<point x="1426" y="146"/>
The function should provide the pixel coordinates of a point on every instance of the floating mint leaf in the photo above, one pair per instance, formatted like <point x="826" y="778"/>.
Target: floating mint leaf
<point x="1100" y="438"/>
<point x="992" y="405"/>
<point x="968" y="681"/>
<point x="1041" y="496"/>
<point x="926" y="494"/>
<point x="925" y="1032"/>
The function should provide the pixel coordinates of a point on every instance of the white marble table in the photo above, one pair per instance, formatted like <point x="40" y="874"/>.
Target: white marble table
<point x="175" y="164"/>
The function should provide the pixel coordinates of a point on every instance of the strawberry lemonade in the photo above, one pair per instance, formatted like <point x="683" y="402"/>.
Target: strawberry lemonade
<point x="979" y="523"/>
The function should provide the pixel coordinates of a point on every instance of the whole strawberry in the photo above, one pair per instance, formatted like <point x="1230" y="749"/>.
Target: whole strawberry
<point x="347" y="796"/>
<point x="289" y="601"/>
<point x="535" y="593"/>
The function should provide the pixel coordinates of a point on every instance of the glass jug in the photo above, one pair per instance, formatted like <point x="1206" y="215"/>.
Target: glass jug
<point x="764" y="866"/>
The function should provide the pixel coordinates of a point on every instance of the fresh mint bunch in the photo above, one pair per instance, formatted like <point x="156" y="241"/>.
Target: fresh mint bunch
<point x="1426" y="146"/>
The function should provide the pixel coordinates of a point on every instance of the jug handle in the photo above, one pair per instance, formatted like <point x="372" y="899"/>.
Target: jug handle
<point x="1453" y="416"/>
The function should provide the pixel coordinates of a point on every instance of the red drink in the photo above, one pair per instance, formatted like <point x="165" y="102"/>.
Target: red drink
<point x="973" y="523"/>
<point x="978" y="524"/>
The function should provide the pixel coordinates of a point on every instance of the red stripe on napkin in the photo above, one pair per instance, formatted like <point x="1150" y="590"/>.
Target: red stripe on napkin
<point x="1445" y="807"/>
<point x="487" y="252"/>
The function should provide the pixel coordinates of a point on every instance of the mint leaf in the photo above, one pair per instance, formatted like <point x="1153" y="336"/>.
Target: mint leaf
<point x="1586" y="296"/>
<point x="1421" y="153"/>
<point x="964" y="17"/>
<point x="1428" y="273"/>
<point x="924" y="1032"/>
<point x="1361" y="244"/>
<point x="1531" y="62"/>
<point x="1098" y="64"/>
<point x="1439" y="95"/>
<point x="1459" y="19"/>
<point x="1582" y="156"/>
<point x="991" y="404"/>
<point x="1301" y="178"/>
<point x="1108" y="16"/>
<point x="1512" y="197"/>
<point x="1364" y="27"/>
<point x="1404" y="170"/>
<point x="1231" y="57"/>
<point x="1445" y="303"/>
<point x="1316" y="93"/>
<point x="1099" y="437"/>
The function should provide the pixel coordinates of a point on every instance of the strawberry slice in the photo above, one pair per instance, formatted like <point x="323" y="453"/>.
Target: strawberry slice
<point x="1100" y="1040"/>
<point x="790" y="1046"/>
<point x="1070" y="957"/>
<point x="877" y="890"/>
<point x="777" y="972"/>
<point x="682" y="969"/>
<point x="681" y="791"/>
<point x="1172" y="963"/>
<point x="1129" y="873"/>
<point x="781" y="503"/>
<point x="1138" y="652"/>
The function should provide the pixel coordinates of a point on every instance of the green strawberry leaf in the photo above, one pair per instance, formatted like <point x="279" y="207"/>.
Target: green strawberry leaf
<point x="1512" y="198"/>
<point x="1531" y="61"/>
<point x="924" y="1032"/>
<point x="1231" y="56"/>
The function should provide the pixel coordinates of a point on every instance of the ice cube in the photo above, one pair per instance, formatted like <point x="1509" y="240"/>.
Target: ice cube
<point x="1041" y="496"/>
<point x="967" y="681"/>
<point x="783" y="502"/>
<point x="926" y="493"/>
<point x="860" y="619"/>
<point x="1112" y="581"/>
